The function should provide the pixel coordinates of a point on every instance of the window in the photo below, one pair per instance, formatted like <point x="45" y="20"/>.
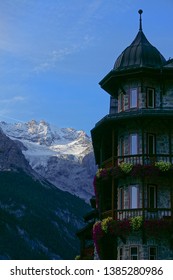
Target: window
<point x="133" y="196"/>
<point x="150" y="100"/>
<point x="121" y="146"/>
<point x="151" y="144"/>
<point x="133" y="144"/>
<point x="152" y="196"/>
<point x="152" y="253"/>
<point x="113" y="105"/>
<point x="120" y="198"/>
<point x="120" y="253"/>
<point x="134" y="253"/>
<point x="133" y="98"/>
<point x="121" y="102"/>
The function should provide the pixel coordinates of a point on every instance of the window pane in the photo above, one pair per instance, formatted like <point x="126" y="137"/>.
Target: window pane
<point x="133" y="98"/>
<point x="121" y="253"/>
<point x="152" y="253"/>
<point x="134" y="253"/>
<point x="133" y="144"/>
<point x="134" y="197"/>
<point x="150" y="98"/>
<point x="151" y="144"/>
<point x="152" y="250"/>
<point x="152" y="196"/>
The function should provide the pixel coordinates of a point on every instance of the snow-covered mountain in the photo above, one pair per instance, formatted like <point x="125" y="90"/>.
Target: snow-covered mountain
<point x="37" y="220"/>
<point x="63" y="156"/>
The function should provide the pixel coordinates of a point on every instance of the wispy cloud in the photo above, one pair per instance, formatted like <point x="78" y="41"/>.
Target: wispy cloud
<point x="13" y="100"/>
<point x="51" y="60"/>
<point x="42" y="33"/>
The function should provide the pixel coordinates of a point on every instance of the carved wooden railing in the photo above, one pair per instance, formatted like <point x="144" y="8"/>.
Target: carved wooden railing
<point x="143" y="159"/>
<point x="146" y="213"/>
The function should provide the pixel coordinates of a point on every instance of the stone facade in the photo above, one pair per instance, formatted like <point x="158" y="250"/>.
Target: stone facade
<point x="163" y="98"/>
<point x="162" y="248"/>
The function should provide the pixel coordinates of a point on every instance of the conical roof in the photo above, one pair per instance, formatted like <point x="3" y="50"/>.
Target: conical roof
<point x="139" y="54"/>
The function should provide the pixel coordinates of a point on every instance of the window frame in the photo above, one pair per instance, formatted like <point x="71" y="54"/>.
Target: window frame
<point x="154" y="255"/>
<point x="121" y="253"/>
<point x="132" y="255"/>
<point x="154" y="204"/>
<point x="121" y="102"/>
<point x="153" y="144"/>
<point x="121" y="198"/>
<point x="153" y="98"/>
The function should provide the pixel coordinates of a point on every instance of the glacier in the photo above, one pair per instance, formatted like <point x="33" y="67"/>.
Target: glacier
<point x="63" y="156"/>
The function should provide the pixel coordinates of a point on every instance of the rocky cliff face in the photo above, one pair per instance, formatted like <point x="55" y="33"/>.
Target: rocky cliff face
<point x="62" y="156"/>
<point x="11" y="156"/>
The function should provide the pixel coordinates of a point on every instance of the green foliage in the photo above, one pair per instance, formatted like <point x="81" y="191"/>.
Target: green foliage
<point x="105" y="224"/>
<point x="163" y="166"/>
<point x="126" y="167"/>
<point x="136" y="222"/>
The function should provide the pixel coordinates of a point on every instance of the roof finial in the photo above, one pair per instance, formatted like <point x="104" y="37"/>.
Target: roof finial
<point x="140" y="20"/>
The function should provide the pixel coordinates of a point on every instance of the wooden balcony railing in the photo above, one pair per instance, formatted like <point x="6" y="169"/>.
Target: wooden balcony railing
<point x="143" y="159"/>
<point x="146" y="213"/>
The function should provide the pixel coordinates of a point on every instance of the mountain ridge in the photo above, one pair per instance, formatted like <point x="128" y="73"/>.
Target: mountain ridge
<point x="37" y="219"/>
<point x="63" y="156"/>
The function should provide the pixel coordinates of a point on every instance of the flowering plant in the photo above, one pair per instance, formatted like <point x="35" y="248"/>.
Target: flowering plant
<point x="136" y="222"/>
<point x="103" y="172"/>
<point x="163" y="166"/>
<point x="111" y="228"/>
<point x="106" y="223"/>
<point x="97" y="235"/>
<point x="126" y="167"/>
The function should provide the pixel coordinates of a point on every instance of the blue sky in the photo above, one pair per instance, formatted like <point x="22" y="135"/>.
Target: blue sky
<point x="53" y="53"/>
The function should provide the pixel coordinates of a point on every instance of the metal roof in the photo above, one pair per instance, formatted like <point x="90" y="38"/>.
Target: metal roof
<point x="140" y="53"/>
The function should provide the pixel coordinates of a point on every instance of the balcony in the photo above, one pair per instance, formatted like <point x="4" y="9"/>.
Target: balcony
<point x="143" y="159"/>
<point x="146" y="213"/>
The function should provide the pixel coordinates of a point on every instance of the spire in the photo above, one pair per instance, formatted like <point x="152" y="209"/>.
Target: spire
<point x="140" y="20"/>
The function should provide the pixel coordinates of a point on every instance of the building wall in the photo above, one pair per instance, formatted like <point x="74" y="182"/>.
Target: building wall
<point x="163" y="249"/>
<point x="163" y="192"/>
<point x="162" y="140"/>
<point x="163" y="96"/>
<point x="168" y="96"/>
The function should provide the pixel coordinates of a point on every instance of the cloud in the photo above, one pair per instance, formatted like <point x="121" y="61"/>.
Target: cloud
<point x="51" y="60"/>
<point x="40" y="34"/>
<point x="13" y="99"/>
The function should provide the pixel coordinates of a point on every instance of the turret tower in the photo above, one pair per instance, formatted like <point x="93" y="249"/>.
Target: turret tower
<point x="133" y="147"/>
